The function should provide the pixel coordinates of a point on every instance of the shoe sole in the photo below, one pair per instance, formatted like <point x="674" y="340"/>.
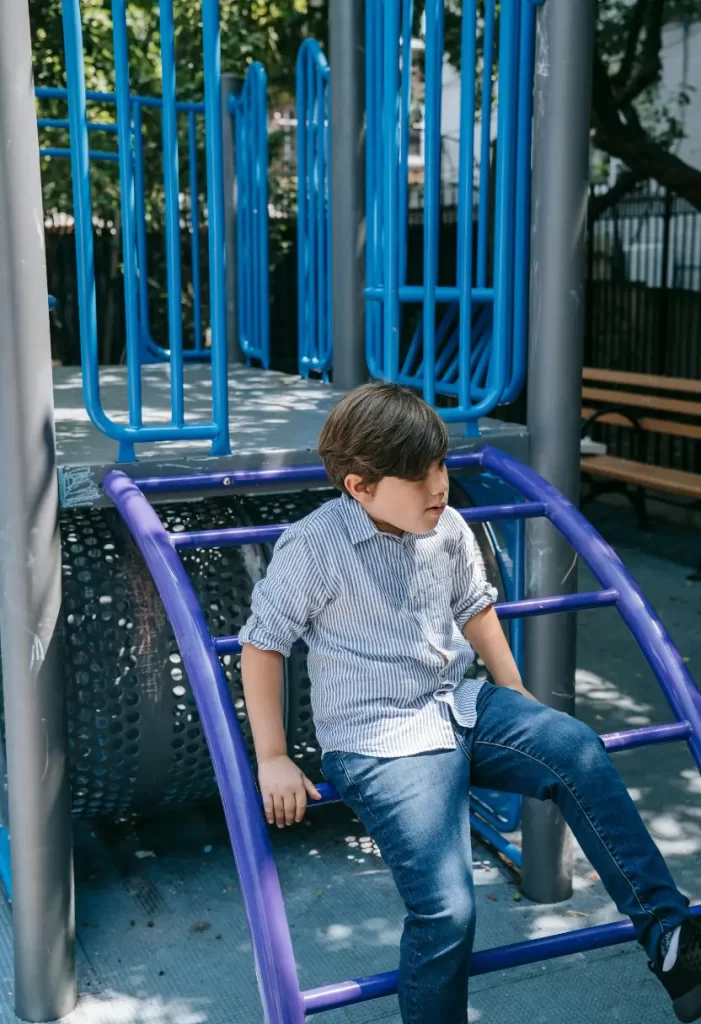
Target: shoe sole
<point x="688" y="1006"/>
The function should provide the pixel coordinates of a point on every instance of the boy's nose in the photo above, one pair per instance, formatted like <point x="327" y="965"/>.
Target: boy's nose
<point x="438" y="483"/>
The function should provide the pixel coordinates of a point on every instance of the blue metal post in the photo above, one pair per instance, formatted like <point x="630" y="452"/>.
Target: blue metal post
<point x="215" y="206"/>
<point x="230" y="86"/>
<point x="126" y="183"/>
<point x="171" y="186"/>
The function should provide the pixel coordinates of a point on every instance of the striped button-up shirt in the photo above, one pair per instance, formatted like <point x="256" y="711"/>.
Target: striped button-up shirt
<point x="383" y="619"/>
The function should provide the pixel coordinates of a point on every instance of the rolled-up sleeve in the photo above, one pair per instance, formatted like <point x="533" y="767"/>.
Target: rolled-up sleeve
<point x="472" y="593"/>
<point x="288" y="597"/>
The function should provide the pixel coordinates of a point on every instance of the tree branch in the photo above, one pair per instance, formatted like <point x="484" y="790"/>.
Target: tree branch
<point x="625" y="183"/>
<point x="635" y="27"/>
<point x="627" y="140"/>
<point x="650" y="65"/>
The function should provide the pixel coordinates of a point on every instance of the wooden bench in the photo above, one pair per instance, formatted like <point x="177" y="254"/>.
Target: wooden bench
<point x="645" y="403"/>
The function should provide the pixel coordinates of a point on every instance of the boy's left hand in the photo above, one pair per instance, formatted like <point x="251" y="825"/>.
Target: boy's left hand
<point x="524" y="692"/>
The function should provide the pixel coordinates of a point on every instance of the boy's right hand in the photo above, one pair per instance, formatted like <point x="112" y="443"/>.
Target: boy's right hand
<point x="284" y="788"/>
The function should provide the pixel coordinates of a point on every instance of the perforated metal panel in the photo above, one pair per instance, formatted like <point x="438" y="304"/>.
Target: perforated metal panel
<point x="136" y="743"/>
<point x="135" y="736"/>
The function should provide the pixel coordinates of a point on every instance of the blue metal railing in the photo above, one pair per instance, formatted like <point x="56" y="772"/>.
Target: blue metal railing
<point x="469" y="343"/>
<point x="282" y="1000"/>
<point x="134" y="430"/>
<point x="313" y="211"/>
<point x="194" y="349"/>
<point x="250" y="112"/>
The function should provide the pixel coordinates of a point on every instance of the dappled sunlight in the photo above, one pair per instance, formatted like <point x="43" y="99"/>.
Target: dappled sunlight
<point x="692" y="779"/>
<point x="269" y="413"/>
<point x="116" y="1008"/>
<point x="674" y="837"/>
<point x="376" y="931"/>
<point x="603" y="694"/>
<point x="553" y="922"/>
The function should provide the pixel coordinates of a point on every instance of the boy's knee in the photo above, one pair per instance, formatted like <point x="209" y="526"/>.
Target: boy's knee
<point x="450" y="910"/>
<point x="580" y="747"/>
<point x="456" y="919"/>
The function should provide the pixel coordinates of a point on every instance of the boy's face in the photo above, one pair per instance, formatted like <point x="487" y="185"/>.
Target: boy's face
<point x="403" y="506"/>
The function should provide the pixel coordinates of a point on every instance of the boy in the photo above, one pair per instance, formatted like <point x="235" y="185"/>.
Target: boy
<point x="383" y="586"/>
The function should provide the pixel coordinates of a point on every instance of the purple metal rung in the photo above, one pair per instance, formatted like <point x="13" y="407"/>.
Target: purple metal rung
<point x="559" y="603"/>
<point x="359" y="990"/>
<point x="259" y="477"/>
<point x="238" y="535"/>
<point x="647" y="736"/>
<point x="506" y="610"/>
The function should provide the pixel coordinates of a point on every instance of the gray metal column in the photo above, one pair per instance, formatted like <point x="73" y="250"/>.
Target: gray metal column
<point x="230" y="84"/>
<point x="347" y="83"/>
<point x="30" y="561"/>
<point x="564" y="41"/>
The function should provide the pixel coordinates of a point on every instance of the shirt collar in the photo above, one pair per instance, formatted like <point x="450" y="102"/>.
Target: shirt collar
<point x="359" y="524"/>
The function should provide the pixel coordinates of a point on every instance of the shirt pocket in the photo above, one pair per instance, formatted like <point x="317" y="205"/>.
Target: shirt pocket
<point x="434" y="585"/>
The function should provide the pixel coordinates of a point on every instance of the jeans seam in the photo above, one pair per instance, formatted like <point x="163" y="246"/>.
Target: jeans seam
<point x="411" y="1001"/>
<point x="505" y="746"/>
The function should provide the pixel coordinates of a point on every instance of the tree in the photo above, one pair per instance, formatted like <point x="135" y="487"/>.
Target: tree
<point x="631" y="120"/>
<point x="266" y="30"/>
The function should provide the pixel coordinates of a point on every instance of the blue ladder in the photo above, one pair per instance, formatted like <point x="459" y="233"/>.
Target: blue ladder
<point x="282" y="1000"/>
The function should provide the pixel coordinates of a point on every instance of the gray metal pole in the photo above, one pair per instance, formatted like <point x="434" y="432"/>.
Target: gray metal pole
<point x="30" y="561"/>
<point x="564" y="42"/>
<point x="230" y="84"/>
<point x="347" y="60"/>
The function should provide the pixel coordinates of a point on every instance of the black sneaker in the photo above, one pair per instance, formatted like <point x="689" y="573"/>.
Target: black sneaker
<point x="683" y="982"/>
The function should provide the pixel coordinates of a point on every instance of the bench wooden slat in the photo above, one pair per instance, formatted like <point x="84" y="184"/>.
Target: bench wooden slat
<point x="604" y="397"/>
<point x="654" y="426"/>
<point x="651" y="381"/>
<point x="657" y="478"/>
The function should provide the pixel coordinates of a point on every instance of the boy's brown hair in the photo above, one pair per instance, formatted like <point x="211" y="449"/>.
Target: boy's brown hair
<point x="381" y="430"/>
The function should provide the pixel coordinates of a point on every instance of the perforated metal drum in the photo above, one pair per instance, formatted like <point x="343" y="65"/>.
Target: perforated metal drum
<point x="135" y="738"/>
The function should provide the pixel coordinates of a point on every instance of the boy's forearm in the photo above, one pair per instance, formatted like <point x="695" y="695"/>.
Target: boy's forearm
<point x="486" y="637"/>
<point x="261" y="673"/>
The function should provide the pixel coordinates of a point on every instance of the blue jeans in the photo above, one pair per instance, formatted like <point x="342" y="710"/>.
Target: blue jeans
<point x="417" y="810"/>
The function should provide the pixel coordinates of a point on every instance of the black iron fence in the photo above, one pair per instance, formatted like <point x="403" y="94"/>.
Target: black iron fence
<point x="644" y="286"/>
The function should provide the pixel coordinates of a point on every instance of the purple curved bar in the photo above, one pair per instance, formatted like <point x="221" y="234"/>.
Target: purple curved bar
<point x="282" y="1001"/>
<point x="644" y="623"/>
<point x="260" y="886"/>
<point x="238" y="535"/>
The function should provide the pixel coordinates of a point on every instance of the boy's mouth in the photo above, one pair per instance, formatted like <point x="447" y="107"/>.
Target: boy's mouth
<point x="436" y="509"/>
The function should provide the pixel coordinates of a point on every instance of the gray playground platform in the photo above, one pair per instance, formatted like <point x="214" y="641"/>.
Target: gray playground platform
<point x="161" y="932"/>
<point x="275" y="420"/>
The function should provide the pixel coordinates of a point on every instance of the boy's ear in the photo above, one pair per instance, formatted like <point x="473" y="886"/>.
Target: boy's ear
<point x="358" y="489"/>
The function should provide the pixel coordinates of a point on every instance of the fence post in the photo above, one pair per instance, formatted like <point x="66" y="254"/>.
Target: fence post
<point x="230" y="83"/>
<point x="347" y="77"/>
<point x="30" y="562"/>
<point x="662" y="336"/>
<point x="564" y="42"/>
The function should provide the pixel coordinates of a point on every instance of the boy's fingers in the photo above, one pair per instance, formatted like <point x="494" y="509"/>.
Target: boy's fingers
<point x="301" y="804"/>
<point x="311" y="788"/>
<point x="279" y="811"/>
<point x="269" y="808"/>
<point x="290" y="808"/>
